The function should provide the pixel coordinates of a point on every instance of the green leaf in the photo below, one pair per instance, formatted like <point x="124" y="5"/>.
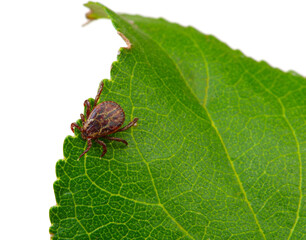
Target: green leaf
<point x="218" y="152"/>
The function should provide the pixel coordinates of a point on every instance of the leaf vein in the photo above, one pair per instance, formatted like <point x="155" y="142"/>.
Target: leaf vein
<point x="222" y="142"/>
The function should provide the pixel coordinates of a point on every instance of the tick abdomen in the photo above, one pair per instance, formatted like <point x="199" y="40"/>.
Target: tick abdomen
<point x="104" y="119"/>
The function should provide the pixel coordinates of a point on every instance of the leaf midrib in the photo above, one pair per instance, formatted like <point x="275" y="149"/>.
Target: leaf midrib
<point x="211" y="121"/>
<point x="221" y="139"/>
<point x="297" y="146"/>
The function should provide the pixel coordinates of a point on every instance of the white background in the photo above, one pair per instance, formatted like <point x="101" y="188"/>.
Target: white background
<point x="49" y="65"/>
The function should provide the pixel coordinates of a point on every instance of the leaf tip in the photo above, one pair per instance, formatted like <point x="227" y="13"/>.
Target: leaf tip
<point x="96" y="11"/>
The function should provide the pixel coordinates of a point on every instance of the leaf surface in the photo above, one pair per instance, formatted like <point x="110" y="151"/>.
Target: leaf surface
<point x="218" y="153"/>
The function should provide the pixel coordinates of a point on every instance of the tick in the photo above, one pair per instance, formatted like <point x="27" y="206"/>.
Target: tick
<point x="100" y="121"/>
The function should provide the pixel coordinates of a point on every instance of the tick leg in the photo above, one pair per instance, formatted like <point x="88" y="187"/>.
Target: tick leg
<point x="89" y="143"/>
<point x="88" y="110"/>
<point x="98" y="94"/>
<point x="129" y="125"/>
<point x="116" y="139"/>
<point x="103" y="145"/>
<point x="73" y="125"/>
<point x="83" y="118"/>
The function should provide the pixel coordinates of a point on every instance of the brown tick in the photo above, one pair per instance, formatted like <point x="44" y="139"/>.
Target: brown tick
<point x="100" y="121"/>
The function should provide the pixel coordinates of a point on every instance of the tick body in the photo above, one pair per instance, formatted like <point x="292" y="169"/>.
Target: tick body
<point x="100" y="121"/>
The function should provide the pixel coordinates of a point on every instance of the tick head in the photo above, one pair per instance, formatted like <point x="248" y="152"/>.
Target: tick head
<point x="91" y="129"/>
<point x="84" y="134"/>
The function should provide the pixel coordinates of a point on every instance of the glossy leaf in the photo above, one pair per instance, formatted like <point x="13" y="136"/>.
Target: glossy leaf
<point x="218" y="153"/>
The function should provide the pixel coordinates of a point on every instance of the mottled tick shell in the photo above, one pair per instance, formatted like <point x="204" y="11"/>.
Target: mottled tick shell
<point x="104" y="119"/>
